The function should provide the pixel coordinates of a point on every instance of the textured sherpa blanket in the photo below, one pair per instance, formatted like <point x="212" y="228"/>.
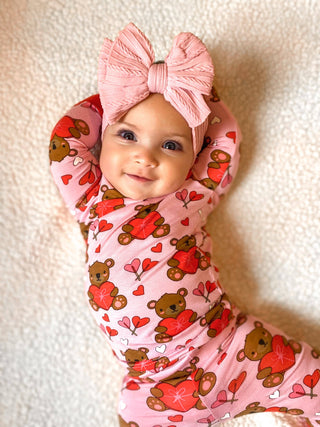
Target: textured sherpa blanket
<point x="56" y="367"/>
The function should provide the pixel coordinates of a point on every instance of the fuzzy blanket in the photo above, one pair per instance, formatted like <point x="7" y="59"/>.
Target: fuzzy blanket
<point x="57" y="369"/>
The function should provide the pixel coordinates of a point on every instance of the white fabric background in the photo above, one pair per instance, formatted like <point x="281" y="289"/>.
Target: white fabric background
<point x="57" y="369"/>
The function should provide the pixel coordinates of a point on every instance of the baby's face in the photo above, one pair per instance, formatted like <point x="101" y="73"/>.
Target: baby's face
<point x="148" y="152"/>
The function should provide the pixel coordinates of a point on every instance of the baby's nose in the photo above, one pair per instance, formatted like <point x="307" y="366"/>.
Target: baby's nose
<point x="146" y="158"/>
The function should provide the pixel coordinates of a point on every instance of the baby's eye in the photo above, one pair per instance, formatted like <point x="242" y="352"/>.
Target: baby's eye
<point x="128" y="135"/>
<point x="172" y="145"/>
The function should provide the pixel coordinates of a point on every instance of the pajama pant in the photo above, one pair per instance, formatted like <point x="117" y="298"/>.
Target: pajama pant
<point x="254" y="369"/>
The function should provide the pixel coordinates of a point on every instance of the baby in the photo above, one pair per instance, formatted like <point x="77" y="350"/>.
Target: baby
<point x="170" y="150"/>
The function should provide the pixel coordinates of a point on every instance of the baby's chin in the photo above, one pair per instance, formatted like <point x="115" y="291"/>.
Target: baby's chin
<point x="143" y="190"/>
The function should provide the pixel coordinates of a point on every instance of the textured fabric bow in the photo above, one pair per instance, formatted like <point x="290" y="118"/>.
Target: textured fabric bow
<point x="127" y="75"/>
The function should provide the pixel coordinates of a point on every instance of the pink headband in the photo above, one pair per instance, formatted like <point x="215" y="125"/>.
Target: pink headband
<point x="127" y="75"/>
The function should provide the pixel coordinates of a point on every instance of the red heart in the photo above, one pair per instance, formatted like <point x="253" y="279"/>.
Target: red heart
<point x="147" y="264"/>
<point x="98" y="249"/>
<point x="180" y="397"/>
<point x="66" y="179"/>
<point x="312" y="380"/>
<point x="298" y="391"/>
<point x="106" y="318"/>
<point x="185" y="221"/>
<point x="87" y="178"/>
<point x="281" y="358"/>
<point x="139" y="322"/>
<point x="139" y="291"/>
<point x="111" y="332"/>
<point x="194" y="196"/>
<point x="176" y="418"/>
<point x="132" y="385"/>
<point x="157" y="248"/>
<point x="101" y="296"/>
<point x="236" y="383"/>
<point x="231" y="135"/>
<point x="104" y="225"/>
<point x="224" y="355"/>
<point x="210" y="286"/>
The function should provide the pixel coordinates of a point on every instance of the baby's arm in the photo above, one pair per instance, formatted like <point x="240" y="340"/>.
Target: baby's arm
<point x="217" y="163"/>
<point x="74" y="168"/>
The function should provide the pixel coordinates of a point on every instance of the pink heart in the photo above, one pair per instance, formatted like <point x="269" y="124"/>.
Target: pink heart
<point x="181" y="195"/>
<point x="133" y="267"/>
<point x="298" y="391"/>
<point x="221" y="399"/>
<point x="125" y="322"/>
<point x="94" y="225"/>
<point x="199" y="290"/>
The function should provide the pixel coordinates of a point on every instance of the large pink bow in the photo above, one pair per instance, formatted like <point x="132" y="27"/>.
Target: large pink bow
<point x="127" y="75"/>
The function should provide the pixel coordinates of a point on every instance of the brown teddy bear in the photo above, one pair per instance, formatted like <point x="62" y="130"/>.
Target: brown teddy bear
<point x="254" y="408"/>
<point x="216" y="168"/>
<point x="59" y="149"/>
<point x="275" y="354"/>
<point x="67" y="127"/>
<point x="122" y="423"/>
<point x="139" y="362"/>
<point x="187" y="259"/>
<point x="175" y="318"/>
<point x="218" y="317"/>
<point x="104" y="294"/>
<point x="145" y="223"/>
<point x="179" y="384"/>
<point x="112" y="199"/>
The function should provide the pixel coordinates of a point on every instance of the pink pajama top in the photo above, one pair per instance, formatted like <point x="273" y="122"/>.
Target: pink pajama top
<point x="151" y="283"/>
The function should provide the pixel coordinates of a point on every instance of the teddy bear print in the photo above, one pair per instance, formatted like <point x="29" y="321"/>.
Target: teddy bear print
<point x="175" y="317"/>
<point x="59" y="149"/>
<point x="112" y="199"/>
<point x="145" y="223"/>
<point x="275" y="354"/>
<point x="182" y="390"/>
<point x="218" y="317"/>
<point x="138" y="362"/>
<point x="216" y="168"/>
<point x="122" y="423"/>
<point x="187" y="259"/>
<point x="254" y="408"/>
<point x="67" y="127"/>
<point x="103" y="294"/>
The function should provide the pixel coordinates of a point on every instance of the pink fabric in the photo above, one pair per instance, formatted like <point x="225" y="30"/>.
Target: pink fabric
<point x="127" y="75"/>
<point x="202" y="362"/>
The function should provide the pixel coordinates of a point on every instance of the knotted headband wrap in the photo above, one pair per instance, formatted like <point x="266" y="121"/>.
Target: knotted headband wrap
<point x="127" y="75"/>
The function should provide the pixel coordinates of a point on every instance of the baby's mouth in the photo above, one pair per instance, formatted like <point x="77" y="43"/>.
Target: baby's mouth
<point x="139" y="178"/>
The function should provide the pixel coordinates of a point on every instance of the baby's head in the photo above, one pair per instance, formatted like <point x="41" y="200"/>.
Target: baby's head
<point x="155" y="115"/>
